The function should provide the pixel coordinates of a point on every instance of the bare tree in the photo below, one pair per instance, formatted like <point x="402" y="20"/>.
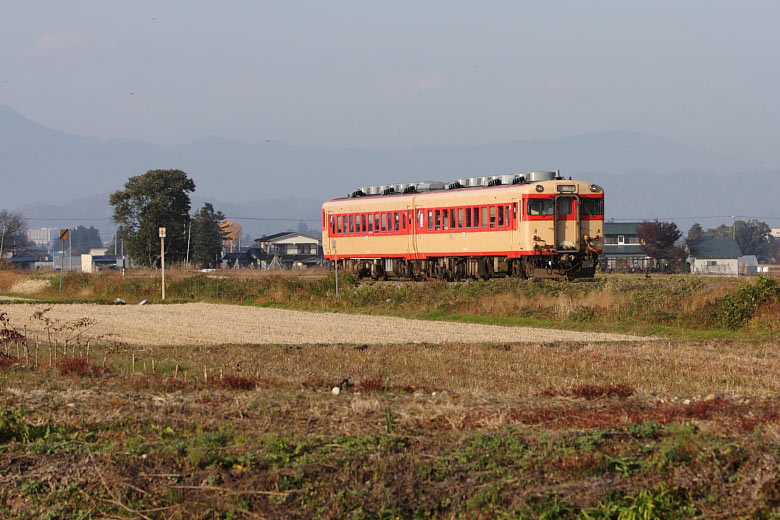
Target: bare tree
<point x="13" y="232"/>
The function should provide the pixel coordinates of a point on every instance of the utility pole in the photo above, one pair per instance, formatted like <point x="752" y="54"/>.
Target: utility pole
<point x="189" y="233"/>
<point x="734" y="227"/>
<point x="336" y="259"/>
<point x="162" y="258"/>
<point x="2" y="241"/>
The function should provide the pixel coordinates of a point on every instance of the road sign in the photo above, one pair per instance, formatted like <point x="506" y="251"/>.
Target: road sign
<point x="162" y="232"/>
<point x="64" y="234"/>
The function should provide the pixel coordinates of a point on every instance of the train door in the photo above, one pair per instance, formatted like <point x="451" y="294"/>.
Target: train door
<point x="517" y="211"/>
<point x="413" y="226"/>
<point x="567" y="223"/>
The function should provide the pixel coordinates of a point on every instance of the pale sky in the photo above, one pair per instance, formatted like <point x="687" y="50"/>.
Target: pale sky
<point x="402" y="74"/>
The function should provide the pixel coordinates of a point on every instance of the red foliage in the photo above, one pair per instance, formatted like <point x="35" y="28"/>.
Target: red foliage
<point x="79" y="366"/>
<point x="236" y="382"/>
<point x="370" y="385"/>
<point x="591" y="392"/>
<point x="7" y="360"/>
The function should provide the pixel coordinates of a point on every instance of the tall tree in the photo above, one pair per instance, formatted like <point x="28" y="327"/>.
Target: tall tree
<point x="208" y="233"/>
<point x="695" y="234"/>
<point x="658" y="241"/>
<point x="13" y="232"/>
<point x="753" y="238"/>
<point x="158" y="198"/>
<point x="232" y="232"/>
<point x="83" y="239"/>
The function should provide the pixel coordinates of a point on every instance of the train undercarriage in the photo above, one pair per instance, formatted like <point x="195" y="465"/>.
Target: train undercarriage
<point x="560" y="266"/>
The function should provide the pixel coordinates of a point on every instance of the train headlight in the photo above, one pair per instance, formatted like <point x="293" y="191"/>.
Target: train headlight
<point x="539" y="188"/>
<point x="594" y="188"/>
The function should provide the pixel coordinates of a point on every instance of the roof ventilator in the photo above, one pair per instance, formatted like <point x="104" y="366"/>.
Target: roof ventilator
<point x="389" y="191"/>
<point x="520" y="179"/>
<point x="494" y="182"/>
<point x="455" y="185"/>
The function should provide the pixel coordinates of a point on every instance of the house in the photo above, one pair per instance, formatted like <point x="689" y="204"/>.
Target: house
<point x="97" y="259"/>
<point x="622" y="247"/>
<point x="775" y="233"/>
<point x="293" y="251"/>
<point x="711" y="256"/>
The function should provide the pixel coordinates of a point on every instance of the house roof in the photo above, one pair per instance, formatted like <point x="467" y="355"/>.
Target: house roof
<point x="620" y="228"/>
<point x="284" y="234"/>
<point x="712" y="248"/>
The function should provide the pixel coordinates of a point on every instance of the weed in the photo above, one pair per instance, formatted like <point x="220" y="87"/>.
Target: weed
<point x="734" y="310"/>
<point x="367" y="385"/>
<point x="658" y="502"/>
<point x="78" y="366"/>
<point x="549" y="507"/>
<point x="483" y="452"/>
<point x="643" y="430"/>
<point x="591" y="392"/>
<point x="236" y="382"/>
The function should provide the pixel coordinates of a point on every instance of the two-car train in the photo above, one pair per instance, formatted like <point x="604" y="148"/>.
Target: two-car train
<point x="536" y="224"/>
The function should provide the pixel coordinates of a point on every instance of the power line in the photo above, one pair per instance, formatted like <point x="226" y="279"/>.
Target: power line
<point x="233" y="218"/>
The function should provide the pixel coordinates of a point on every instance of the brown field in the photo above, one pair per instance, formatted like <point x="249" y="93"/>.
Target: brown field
<point x="204" y="324"/>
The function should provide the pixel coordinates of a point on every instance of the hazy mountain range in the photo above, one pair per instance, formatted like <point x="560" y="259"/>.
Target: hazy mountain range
<point x="56" y="178"/>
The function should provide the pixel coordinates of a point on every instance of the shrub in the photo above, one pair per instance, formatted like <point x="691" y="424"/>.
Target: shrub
<point x="236" y="382"/>
<point x="734" y="310"/>
<point x="370" y="385"/>
<point x="79" y="366"/>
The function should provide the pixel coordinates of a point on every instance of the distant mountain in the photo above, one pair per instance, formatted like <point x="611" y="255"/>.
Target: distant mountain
<point x="50" y="166"/>
<point x="645" y="176"/>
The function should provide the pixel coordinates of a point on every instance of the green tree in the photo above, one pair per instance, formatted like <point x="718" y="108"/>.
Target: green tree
<point x="158" y="198"/>
<point x="82" y="239"/>
<point x="207" y="236"/>
<point x="695" y="234"/>
<point x="753" y="238"/>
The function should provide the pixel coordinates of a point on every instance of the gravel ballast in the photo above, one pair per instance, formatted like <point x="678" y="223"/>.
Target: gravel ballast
<point x="205" y="323"/>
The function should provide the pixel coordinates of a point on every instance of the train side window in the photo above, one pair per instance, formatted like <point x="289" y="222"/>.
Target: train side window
<point x="452" y="219"/>
<point x="357" y="224"/>
<point x="352" y="224"/>
<point x="492" y="217"/>
<point x="383" y="222"/>
<point x="376" y="222"/>
<point x="540" y="207"/>
<point x="397" y="220"/>
<point x="468" y="218"/>
<point x="430" y="220"/>
<point x="476" y="218"/>
<point x="508" y="214"/>
<point x="420" y="219"/>
<point x="484" y="217"/>
<point x="501" y="216"/>
<point x="363" y="221"/>
<point x="437" y="220"/>
<point x="445" y="219"/>
<point x="460" y="218"/>
<point x="340" y="225"/>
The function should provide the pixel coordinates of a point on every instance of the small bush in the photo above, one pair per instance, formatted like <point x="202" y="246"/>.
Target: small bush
<point x="236" y="382"/>
<point x="79" y="366"/>
<point x="734" y="310"/>
<point x="370" y="385"/>
<point x="7" y="360"/>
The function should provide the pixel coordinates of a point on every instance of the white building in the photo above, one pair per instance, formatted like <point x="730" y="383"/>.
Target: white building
<point x="712" y="256"/>
<point x="42" y="236"/>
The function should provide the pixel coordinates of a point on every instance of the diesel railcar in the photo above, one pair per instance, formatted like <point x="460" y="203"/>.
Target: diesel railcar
<point x="536" y="224"/>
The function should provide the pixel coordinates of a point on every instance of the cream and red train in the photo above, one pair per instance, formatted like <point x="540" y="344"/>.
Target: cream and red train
<point x="536" y="224"/>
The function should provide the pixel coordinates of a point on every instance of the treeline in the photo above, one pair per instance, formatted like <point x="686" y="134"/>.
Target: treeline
<point x="754" y="237"/>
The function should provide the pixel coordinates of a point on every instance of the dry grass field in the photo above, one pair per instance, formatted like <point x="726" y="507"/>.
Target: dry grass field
<point x="205" y="323"/>
<point x="223" y="411"/>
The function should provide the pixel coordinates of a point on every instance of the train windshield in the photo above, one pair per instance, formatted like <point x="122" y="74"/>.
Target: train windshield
<point x="537" y="207"/>
<point x="590" y="207"/>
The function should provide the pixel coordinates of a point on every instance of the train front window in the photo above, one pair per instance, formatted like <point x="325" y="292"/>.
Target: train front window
<point x="591" y="207"/>
<point x="540" y="207"/>
<point x="565" y="206"/>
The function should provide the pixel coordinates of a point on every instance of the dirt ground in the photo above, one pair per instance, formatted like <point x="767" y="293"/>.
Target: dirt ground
<point x="203" y="323"/>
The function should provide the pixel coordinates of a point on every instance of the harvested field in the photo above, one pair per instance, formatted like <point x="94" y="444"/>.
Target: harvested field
<point x="203" y="323"/>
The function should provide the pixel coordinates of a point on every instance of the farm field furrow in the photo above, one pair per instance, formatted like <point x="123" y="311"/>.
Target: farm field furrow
<point x="204" y="323"/>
